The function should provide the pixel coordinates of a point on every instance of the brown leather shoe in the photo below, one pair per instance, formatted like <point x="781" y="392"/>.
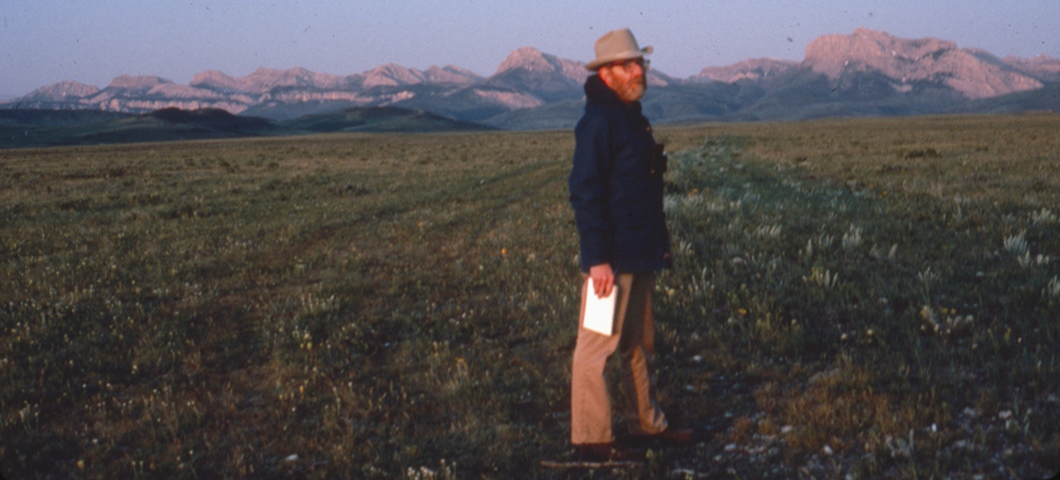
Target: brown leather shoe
<point x="609" y="452"/>
<point x="675" y="436"/>
<point x="671" y="437"/>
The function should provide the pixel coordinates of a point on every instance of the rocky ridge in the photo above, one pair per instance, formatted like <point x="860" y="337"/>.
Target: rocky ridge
<point x="262" y="80"/>
<point x="974" y="73"/>
<point x="62" y="90"/>
<point x="532" y="59"/>
<point x="1042" y="67"/>
<point x="755" y="69"/>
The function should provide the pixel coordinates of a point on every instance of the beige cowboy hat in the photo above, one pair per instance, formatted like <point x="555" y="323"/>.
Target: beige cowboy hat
<point x="616" y="45"/>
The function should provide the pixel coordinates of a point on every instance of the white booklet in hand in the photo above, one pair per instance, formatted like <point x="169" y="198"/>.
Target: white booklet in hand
<point x="600" y="312"/>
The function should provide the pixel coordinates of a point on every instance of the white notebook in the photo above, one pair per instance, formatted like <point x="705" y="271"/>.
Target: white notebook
<point x="600" y="312"/>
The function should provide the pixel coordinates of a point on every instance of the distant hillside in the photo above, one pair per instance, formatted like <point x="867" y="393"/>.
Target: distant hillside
<point x="54" y="118"/>
<point x="163" y="125"/>
<point x="379" y="119"/>
<point x="44" y="128"/>
<point x="1043" y="99"/>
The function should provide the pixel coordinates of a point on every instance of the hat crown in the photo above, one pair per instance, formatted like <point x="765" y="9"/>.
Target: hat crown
<point x="616" y="45"/>
<point x="615" y="42"/>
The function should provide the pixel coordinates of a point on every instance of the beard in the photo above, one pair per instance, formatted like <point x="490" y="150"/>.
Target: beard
<point x="632" y="89"/>
<point x="629" y="86"/>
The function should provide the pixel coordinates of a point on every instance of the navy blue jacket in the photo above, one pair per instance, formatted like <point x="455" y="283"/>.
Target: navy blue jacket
<point x="616" y="192"/>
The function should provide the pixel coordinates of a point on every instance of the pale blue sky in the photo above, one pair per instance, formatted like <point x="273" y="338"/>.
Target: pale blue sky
<point x="47" y="41"/>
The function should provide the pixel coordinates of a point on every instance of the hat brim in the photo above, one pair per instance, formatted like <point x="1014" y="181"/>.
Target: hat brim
<point x="599" y="62"/>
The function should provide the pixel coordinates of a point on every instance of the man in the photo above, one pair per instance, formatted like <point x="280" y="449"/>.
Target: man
<point x="616" y="189"/>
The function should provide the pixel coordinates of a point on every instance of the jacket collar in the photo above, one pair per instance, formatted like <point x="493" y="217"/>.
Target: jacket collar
<point x="596" y="91"/>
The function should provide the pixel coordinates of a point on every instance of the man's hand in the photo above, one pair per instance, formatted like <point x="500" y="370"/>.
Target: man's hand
<point x="603" y="279"/>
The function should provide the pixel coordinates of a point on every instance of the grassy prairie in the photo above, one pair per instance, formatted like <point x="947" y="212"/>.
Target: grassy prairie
<point x="852" y="299"/>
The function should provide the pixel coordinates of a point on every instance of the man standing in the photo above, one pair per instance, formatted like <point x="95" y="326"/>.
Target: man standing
<point x="616" y="189"/>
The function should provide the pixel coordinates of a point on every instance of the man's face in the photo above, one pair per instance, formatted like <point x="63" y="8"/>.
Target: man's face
<point x="628" y="79"/>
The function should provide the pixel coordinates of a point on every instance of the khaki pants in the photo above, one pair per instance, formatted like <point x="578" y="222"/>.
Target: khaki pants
<point x="634" y="338"/>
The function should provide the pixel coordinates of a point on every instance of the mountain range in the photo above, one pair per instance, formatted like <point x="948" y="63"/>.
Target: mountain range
<point x="865" y="73"/>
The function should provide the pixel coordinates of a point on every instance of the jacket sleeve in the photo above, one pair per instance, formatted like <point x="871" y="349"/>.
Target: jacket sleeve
<point x="589" y="185"/>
